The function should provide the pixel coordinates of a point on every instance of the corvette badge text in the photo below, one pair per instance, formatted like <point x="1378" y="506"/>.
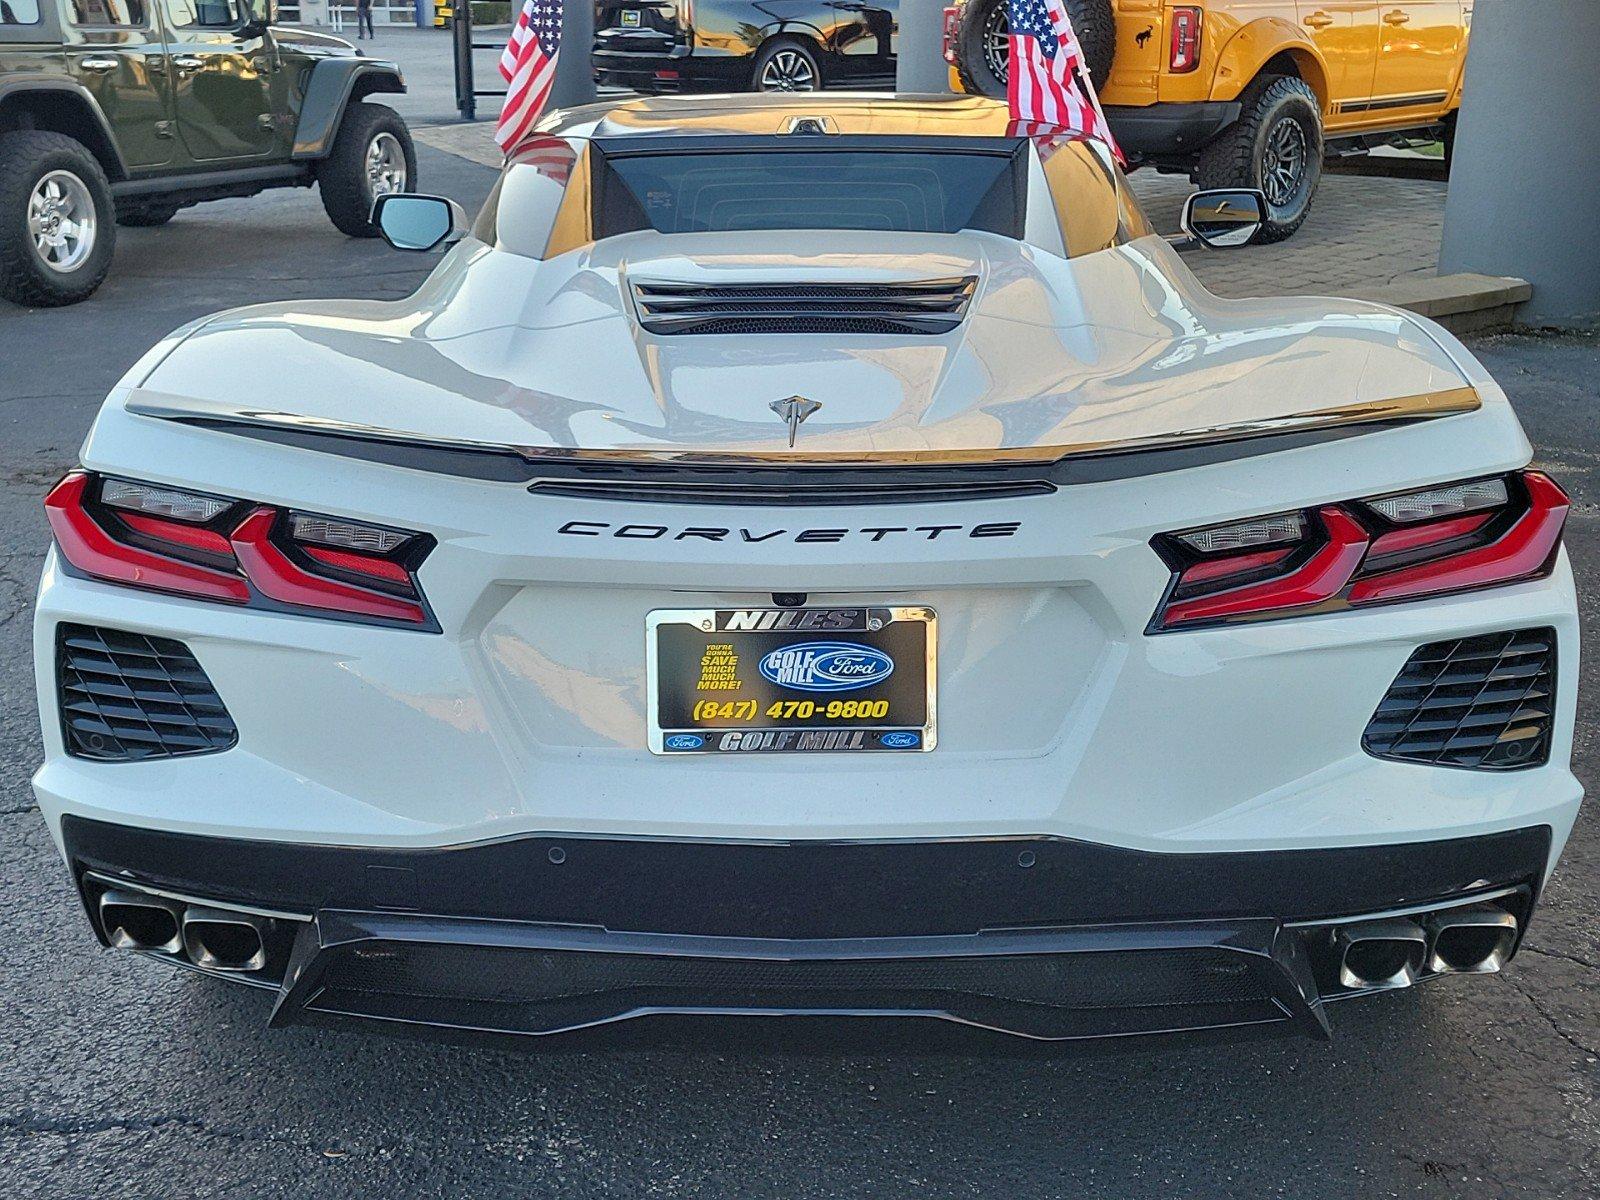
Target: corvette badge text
<point x="718" y="533"/>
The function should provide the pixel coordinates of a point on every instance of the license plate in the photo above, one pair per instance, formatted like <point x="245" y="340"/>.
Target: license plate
<point x="791" y="680"/>
<point x="631" y="18"/>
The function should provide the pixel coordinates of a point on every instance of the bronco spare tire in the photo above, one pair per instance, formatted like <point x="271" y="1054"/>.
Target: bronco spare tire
<point x="981" y="49"/>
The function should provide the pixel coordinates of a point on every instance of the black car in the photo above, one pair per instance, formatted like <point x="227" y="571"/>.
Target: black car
<point x="745" y="45"/>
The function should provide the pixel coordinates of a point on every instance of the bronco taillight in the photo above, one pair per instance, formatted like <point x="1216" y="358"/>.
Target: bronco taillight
<point x="952" y="25"/>
<point x="1425" y="542"/>
<point x="1185" y="55"/>
<point x="218" y="548"/>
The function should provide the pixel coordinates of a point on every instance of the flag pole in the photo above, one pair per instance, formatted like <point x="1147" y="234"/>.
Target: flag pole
<point x="574" y="81"/>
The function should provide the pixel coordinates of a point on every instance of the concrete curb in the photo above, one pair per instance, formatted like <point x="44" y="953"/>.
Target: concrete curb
<point x="1463" y="304"/>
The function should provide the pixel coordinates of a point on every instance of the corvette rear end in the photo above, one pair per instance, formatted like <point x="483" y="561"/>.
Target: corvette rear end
<point x="965" y="617"/>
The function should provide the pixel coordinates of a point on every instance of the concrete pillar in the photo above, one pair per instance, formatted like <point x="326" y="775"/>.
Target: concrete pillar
<point x="1525" y="185"/>
<point x="920" y="65"/>
<point x="574" y="82"/>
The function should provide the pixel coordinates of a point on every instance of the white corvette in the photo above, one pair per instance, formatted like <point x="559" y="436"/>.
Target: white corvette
<point x="802" y="555"/>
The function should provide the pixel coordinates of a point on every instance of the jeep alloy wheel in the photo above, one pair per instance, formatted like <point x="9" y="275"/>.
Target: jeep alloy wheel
<point x="57" y="219"/>
<point x="386" y="165"/>
<point x="62" y="221"/>
<point x="372" y="156"/>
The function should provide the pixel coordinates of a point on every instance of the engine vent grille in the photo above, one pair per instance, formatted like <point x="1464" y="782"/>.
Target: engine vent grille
<point x="1485" y="702"/>
<point x="928" y="307"/>
<point x="125" y="696"/>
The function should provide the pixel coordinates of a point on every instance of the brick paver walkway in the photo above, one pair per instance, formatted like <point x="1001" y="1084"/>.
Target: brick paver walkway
<point x="1363" y="232"/>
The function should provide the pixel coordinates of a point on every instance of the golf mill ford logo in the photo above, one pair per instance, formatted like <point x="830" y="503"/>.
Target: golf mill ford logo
<point x="826" y="666"/>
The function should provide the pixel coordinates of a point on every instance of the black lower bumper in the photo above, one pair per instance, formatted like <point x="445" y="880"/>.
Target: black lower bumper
<point x="1170" y="130"/>
<point x="1042" y="937"/>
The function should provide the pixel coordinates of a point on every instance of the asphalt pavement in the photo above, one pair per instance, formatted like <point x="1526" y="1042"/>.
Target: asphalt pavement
<point x="122" y="1077"/>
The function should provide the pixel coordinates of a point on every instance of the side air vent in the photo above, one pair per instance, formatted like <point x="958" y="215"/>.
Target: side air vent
<point x="125" y="696"/>
<point x="929" y="307"/>
<point x="1486" y="702"/>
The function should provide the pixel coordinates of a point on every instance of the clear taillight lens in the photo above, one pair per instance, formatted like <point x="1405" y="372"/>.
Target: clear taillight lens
<point x="1458" y="498"/>
<point x="1427" y="542"/>
<point x="191" y="507"/>
<point x="217" y="548"/>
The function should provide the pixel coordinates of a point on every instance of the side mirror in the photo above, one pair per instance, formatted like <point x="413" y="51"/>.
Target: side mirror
<point x="1221" y="218"/>
<point x="409" y="222"/>
<point x="260" y="14"/>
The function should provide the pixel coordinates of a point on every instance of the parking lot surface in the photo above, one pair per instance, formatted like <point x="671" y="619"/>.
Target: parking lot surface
<point x="123" y="1077"/>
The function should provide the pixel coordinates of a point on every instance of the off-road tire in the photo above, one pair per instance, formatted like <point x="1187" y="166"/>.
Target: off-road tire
<point x="147" y="215"/>
<point x="1237" y="157"/>
<point x="26" y="157"/>
<point x="1094" y="21"/>
<point x="776" y="47"/>
<point x="342" y="176"/>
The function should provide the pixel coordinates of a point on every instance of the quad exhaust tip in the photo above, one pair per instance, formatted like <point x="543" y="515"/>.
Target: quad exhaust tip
<point x="1470" y="941"/>
<point x="1381" y="954"/>
<point x="220" y="940"/>
<point x="136" y="921"/>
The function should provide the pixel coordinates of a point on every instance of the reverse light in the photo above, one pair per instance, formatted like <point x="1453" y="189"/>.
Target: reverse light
<point x="1259" y="531"/>
<point x="1185" y="49"/>
<point x="1428" y="542"/>
<point x="162" y="502"/>
<point x="219" y="548"/>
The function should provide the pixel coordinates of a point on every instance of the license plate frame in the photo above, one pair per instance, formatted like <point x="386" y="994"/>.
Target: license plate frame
<point x="860" y="636"/>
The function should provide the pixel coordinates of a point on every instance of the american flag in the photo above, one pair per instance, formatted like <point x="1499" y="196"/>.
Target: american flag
<point x="1048" y="84"/>
<point x="529" y="68"/>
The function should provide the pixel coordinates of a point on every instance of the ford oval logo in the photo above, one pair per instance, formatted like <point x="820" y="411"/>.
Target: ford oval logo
<point x="685" y="741"/>
<point x="900" y="739"/>
<point x="826" y="666"/>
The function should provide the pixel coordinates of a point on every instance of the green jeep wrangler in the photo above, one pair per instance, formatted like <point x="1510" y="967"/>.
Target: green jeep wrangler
<point x="124" y="111"/>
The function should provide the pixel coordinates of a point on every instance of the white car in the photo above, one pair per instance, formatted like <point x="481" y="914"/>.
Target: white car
<point x="809" y="554"/>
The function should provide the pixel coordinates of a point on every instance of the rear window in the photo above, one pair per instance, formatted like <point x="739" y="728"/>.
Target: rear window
<point x="891" y="191"/>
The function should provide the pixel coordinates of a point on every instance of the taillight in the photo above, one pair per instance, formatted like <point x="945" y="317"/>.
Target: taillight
<point x="218" y="548"/>
<point x="1426" y="542"/>
<point x="1185" y="55"/>
<point x="952" y="24"/>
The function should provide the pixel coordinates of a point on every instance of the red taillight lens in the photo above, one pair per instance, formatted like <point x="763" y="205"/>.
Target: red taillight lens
<point x="92" y="547"/>
<point x="280" y="578"/>
<point x="1185" y="54"/>
<point x="1523" y="547"/>
<point x="1421" y="543"/>
<point x="216" y="548"/>
<point x="952" y="24"/>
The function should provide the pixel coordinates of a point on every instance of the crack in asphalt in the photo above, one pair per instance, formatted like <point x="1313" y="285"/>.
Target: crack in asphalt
<point x="1575" y="959"/>
<point x="1550" y="1019"/>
